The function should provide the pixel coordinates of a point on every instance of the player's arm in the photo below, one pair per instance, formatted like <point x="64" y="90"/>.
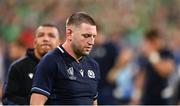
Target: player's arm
<point x="164" y="66"/>
<point x="38" y="99"/>
<point x="138" y="87"/>
<point x="123" y="58"/>
<point x="43" y="81"/>
<point x="95" y="103"/>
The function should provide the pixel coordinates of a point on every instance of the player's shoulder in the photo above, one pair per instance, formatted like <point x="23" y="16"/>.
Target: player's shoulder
<point x="91" y="60"/>
<point x="18" y="64"/>
<point x="22" y="61"/>
<point x="55" y="52"/>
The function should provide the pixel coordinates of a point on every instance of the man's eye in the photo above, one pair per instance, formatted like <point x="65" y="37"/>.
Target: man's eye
<point x="86" y="35"/>
<point x="51" y="35"/>
<point x="94" y="36"/>
<point x="40" y="35"/>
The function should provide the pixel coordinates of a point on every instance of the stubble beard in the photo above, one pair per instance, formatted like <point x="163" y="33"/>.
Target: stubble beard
<point x="78" y="51"/>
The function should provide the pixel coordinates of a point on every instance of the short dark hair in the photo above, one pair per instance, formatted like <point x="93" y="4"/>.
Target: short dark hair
<point x="152" y="34"/>
<point x="50" y="25"/>
<point x="79" y="18"/>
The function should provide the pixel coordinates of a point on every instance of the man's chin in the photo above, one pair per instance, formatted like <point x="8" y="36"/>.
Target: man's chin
<point x="44" y="52"/>
<point x="83" y="53"/>
<point x="86" y="53"/>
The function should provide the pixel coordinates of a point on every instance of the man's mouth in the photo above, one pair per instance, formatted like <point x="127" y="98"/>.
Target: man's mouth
<point x="88" y="48"/>
<point x="45" y="46"/>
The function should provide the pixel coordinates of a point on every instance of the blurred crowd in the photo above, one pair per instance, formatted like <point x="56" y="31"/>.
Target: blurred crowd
<point x="137" y="47"/>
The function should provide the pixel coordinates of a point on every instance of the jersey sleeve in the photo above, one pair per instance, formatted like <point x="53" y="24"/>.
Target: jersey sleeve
<point x="44" y="76"/>
<point x="95" y="97"/>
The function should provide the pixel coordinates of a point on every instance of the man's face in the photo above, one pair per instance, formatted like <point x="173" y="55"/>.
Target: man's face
<point x="83" y="38"/>
<point x="46" y="39"/>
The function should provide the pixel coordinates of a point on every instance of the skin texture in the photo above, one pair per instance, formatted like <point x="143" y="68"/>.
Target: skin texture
<point x="80" y="40"/>
<point x="46" y="39"/>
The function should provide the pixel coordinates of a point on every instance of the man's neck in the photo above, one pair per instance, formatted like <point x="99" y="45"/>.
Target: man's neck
<point x="70" y="51"/>
<point x="37" y="54"/>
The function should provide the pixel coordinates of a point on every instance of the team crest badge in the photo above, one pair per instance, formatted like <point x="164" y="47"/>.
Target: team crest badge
<point x="71" y="73"/>
<point x="91" y="74"/>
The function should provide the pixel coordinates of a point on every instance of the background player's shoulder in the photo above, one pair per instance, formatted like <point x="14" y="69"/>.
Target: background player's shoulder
<point x="17" y="65"/>
<point x="20" y="62"/>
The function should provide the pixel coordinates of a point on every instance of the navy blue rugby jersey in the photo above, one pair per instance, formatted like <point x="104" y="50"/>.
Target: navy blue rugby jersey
<point x="65" y="81"/>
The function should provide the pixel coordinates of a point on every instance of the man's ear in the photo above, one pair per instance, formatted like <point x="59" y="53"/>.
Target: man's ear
<point x="69" y="33"/>
<point x="35" y="42"/>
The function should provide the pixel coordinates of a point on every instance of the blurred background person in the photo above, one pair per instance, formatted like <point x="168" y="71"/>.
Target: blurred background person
<point x="174" y="44"/>
<point x="122" y="75"/>
<point x="156" y="65"/>
<point x="16" y="50"/>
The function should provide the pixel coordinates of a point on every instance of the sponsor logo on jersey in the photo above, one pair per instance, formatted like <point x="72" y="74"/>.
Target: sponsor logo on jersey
<point x="82" y="72"/>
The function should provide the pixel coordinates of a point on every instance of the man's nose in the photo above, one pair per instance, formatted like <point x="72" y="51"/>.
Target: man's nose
<point x="46" y="38"/>
<point x="91" y="41"/>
